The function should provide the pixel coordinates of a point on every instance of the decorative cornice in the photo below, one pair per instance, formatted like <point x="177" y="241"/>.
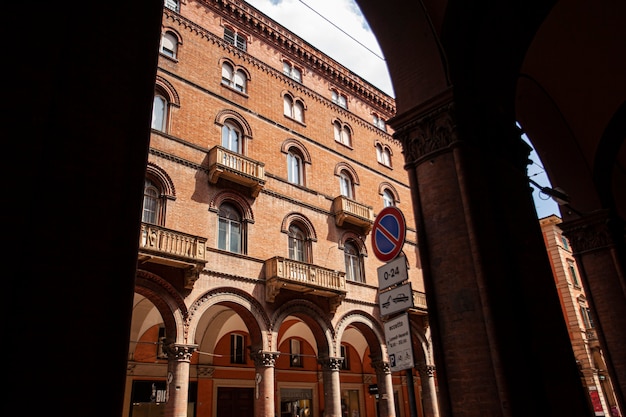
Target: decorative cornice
<point x="589" y="233"/>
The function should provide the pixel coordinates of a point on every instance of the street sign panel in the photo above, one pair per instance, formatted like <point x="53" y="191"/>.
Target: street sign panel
<point x="388" y="233"/>
<point x="398" y="338"/>
<point x="392" y="273"/>
<point x="396" y="299"/>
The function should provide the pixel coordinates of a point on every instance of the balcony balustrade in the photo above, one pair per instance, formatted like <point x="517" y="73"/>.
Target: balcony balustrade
<point x="287" y="274"/>
<point x="236" y="168"/>
<point x="158" y="245"/>
<point x="349" y="211"/>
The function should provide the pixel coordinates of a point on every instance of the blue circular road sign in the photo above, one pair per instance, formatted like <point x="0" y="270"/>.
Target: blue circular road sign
<point x="388" y="233"/>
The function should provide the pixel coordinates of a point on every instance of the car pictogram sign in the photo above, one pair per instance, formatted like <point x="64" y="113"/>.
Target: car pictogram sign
<point x="388" y="233"/>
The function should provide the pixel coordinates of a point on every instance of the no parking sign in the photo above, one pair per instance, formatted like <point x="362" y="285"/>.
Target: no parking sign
<point x="388" y="233"/>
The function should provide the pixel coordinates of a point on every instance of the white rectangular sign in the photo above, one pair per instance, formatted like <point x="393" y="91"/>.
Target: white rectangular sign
<point x="392" y="273"/>
<point x="396" y="299"/>
<point x="398" y="339"/>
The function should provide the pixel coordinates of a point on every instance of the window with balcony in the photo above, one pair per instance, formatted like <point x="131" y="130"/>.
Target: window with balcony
<point x="586" y="316"/>
<point x="342" y="133"/>
<point x="353" y="262"/>
<point x="169" y="44"/>
<point x="235" y="39"/>
<point x="237" y="348"/>
<point x="383" y="154"/>
<point x="151" y="203"/>
<point x="388" y="199"/>
<point x="571" y="267"/>
<point x="346" y="184"/>
<point x="293" y="108"/>
<point x="233" y="77"/>
<point x="230" y="229"/>
<point x="292" y="71"/>
<point x="295" y="353"/>
<point x="339" y="99"/>
<point x="231" y="137"/>
<point x="298" y="250"/>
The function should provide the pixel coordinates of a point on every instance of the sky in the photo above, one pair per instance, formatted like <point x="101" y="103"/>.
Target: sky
<point x="338" y="29"/>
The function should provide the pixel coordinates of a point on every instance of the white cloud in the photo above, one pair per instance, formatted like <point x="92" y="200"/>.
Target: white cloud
<point x="341" y="32"/>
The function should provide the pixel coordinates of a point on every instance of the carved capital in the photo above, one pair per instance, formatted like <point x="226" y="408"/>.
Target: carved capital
<point x="381" y="367"/>
<point x="426" y="370"/>
<point x="428" y="134"/>
<point x="179" y="352"/>
<point x="589" y="233"/>
<point x="264" y="358"/>
<point x="331" y="364"/>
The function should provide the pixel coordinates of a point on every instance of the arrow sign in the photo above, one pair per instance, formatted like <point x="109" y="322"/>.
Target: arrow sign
<point x="389" y="232"/>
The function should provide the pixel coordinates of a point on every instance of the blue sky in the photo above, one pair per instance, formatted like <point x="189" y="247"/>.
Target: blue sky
<point x="338" y="29"/>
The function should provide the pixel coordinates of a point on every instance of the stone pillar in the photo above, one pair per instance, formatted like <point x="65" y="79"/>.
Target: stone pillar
<point x="429" y="390"/>
<point x="332" y="386"/>
<point x="385" y="389"/>
<point x="178" y="359"/>
<point x="264" y="378"/>
<point x="593" y="240"/>
<point x="500" y="343"/>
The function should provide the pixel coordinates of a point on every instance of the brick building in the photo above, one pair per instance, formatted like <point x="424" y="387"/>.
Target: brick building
<point x="578" y="317"/>
<point x="267" y="166"/>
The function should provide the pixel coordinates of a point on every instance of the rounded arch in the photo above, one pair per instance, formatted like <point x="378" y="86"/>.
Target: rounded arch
<point x="157" y="173"/>
<point x="233" y="197"/>
<point x="168" y="302"/>
<point x="385" y="186"/>
<point x="314" y="317"/>
<point x="293" y="143"/>
<point x="343" y="166"/>
<point x="357" y="239"/>
<point x="242" y="303"/>
<point x="225" y="115"/>
<point x="235" y="67"/>
<point x="383" y="146"/>
<point x="301" y="219"/>
<point x="368" y="326"/>
<point x="166" y="88"/>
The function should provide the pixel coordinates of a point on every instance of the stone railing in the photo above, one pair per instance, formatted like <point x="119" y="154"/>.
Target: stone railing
<point x="348" y="210"/>
<point x="170" y="243"/>
<point x="237" y="168"/>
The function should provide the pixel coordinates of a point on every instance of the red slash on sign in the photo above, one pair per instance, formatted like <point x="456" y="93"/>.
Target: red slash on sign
<point x="388" y="233"/>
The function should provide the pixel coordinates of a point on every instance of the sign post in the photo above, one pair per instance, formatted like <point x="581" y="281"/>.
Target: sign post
<point x="388" y="233"/>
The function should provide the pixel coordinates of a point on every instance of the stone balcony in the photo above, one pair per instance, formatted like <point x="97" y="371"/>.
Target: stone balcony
<point x="286" y="274"/>
<point x="236" y="168"/>
<point x="347" y="210"/>
<point x="158" y="245"/>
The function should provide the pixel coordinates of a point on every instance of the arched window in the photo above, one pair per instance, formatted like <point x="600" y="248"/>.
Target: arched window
<point x="298" y="250"/>
<point x="353" y="260"/>
<point x="160" y="109"/>
<point x="292" y="72"/>
<point x="151" y="203"/>
<point x="342" y="133"/>
<point x="346" y="184"/>
<point x="378" y="122"/>
<point x="230" y="229"/>
<point x="172" y="4"/>
<point x="383" y="155"/>
<point x="169" y="44"/>
<point x="293" y="108"/>
<point x="295" y="168"/>
<point x="388" y="199"/>
<point x="339" y="99"/>
<point x="231" y="137"/>
<point x="233" y="78"/>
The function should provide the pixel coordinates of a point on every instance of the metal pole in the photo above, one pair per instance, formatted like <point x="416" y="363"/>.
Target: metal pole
<point x="411" y="388"/>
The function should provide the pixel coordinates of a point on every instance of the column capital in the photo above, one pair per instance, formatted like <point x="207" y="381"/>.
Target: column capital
<point x="264" y="358"/>
<point x="381" y="367"/>
<point x="426" y="370"/>
<point x="589" y="233"/>
<point x="331" y="363"/>
<point x="179" y="352"/>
